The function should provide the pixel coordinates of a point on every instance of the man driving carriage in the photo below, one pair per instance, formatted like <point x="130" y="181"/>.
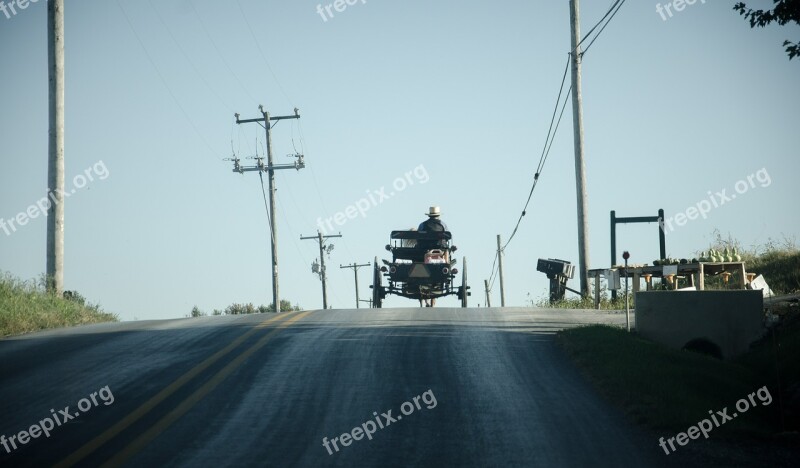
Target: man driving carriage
<point x="433" y="224"/>
<point x="421" y="267"/>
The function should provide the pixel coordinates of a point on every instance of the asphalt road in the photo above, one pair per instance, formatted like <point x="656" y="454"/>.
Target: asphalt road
<point x="492" y="389"/>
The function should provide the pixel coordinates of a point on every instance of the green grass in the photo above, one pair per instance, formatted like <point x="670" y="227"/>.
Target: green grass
<point x="781" y="269"/>
<point x="26" y="307"/>
<point x="586" y="302"/>
<point x="777" y="260"/>
<point x="669" y="390"/>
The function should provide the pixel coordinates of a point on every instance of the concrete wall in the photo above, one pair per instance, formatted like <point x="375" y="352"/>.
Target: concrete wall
<point x="730" y="319"/>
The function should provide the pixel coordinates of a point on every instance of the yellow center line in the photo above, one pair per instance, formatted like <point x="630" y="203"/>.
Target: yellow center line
<point x="147" y="406"/>
<point x="187" y="404"/>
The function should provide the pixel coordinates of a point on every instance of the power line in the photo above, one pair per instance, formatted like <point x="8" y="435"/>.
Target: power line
<point x="355" y="267"/>
<point x="186" y="56"/>
<point x="266" y="205"/>
<point x="620" y="2"/>
<point x="551" y="134"/>
<point x="322" y="271"/>
<point x="553" y="130"/>
<point x="610" y="10"/>
<point x="263" y="56"/>
<point x="270" y="169"/>
<point x="216" y="48"/>
<point x="316" y="184"/>
<point x="163" y="80"/>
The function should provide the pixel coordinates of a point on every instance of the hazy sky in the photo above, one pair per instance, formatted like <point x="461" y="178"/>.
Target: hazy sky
<point x="452" y="98"/>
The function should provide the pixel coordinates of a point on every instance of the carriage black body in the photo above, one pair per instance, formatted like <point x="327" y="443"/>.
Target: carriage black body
<point x="422" y="268"/>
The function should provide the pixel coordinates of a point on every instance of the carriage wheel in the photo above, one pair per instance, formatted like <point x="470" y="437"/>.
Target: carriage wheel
<point x="464" y="288"/>
<point x="376" y="286"/>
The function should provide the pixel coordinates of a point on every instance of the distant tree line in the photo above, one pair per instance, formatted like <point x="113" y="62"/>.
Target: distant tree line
<point x="249" y="308"/>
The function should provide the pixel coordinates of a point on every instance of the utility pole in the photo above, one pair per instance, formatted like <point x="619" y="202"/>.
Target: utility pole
<point x="486" y="285"/>
<point x="580" y="165"/>
<point x="55" y="162"/>
<point x="500" y="267"/>
<point x="355" y="268"/>
<point x="321" y="239"/>
<point x="270" y="168"/>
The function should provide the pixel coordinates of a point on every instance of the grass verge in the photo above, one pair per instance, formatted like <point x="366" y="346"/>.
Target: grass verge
<point x="668" y="390"/>
<point x="25" y="308"/>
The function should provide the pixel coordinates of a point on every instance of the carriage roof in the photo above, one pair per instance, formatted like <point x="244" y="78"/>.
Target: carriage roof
<point x="421" y="235"/>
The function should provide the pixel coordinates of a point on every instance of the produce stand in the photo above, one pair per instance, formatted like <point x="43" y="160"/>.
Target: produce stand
<point x="695" y="272"/>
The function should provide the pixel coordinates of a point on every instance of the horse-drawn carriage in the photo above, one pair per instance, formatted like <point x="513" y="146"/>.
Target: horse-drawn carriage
<point x="422" y="268"/>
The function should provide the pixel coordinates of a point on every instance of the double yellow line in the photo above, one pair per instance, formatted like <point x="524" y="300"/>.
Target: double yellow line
<point x="284" y="320"/>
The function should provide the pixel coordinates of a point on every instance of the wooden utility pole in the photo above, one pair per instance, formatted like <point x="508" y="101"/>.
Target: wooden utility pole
<point x="55" y="163"/>
<point x="580" y="165"/>
<point x="500" y="268"/>
<point x="266" y="122"/>
<point x="488" y="300"/>
<point x="323" y="276"/>
<point x="355" y="268"/>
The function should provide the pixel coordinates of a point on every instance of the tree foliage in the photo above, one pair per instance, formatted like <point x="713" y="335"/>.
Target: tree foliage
<point x="785" y="11"/>
<point x="242" y="309"/>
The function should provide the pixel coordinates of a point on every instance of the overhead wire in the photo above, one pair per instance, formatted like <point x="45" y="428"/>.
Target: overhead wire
<point x="552" y="131"/>
<point x="340" y="273"/>
<point x="219" y="53"/>
<point x="316" y="184"/>
<point x="620" y="2"/>
<point x="186" y="56"/>
<point x="270" y="218"/>
<point x="164" y="81"/>
<point x="493" y="277"/>
<point x="266" y="205"/>
<point x="291" y="103"/>
<point x="298" y="123"/>
<point x="293" y="235"/>
<point x="263" y="56"/>
<point x="608" y="12"/>
<point x="545" y="151"/>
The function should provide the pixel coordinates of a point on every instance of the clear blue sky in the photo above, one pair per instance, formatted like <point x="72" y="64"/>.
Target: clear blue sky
<point x="465" y="90"/>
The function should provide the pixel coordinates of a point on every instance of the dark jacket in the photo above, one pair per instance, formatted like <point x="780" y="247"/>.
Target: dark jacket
<point x="432" y="225"/>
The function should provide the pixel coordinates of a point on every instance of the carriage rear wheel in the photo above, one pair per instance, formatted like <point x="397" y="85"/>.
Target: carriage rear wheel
<point x="376" y="286"/>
